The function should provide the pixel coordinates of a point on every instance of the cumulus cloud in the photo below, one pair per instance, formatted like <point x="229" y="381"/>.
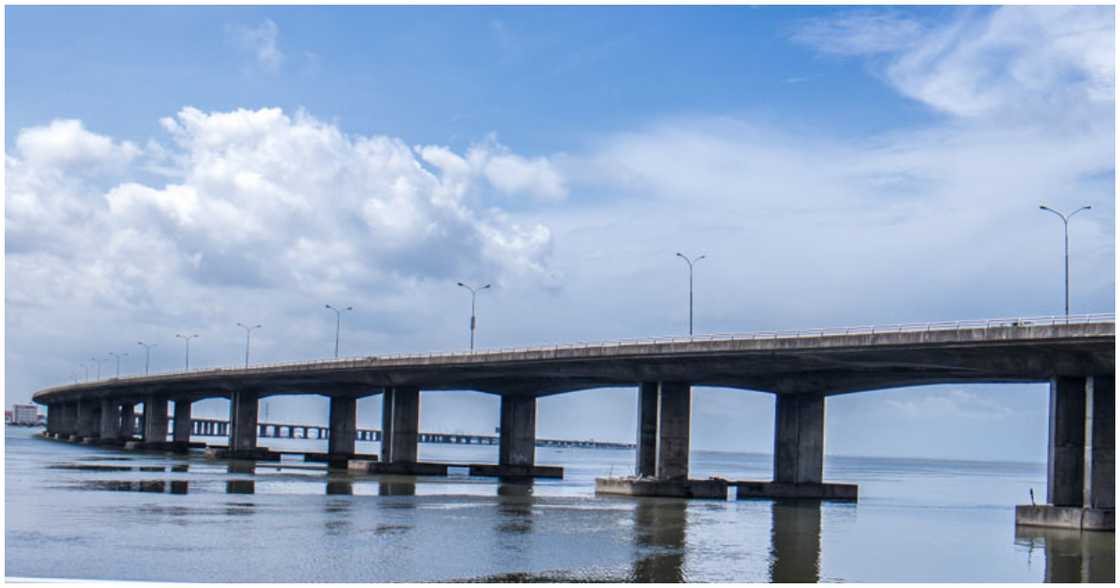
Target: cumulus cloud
<point x="509" y="173"/>
<point x="261" y="199"/>
<point x="260" y="41"/>
<point x="1011" y="61"/>
<point x="66" y="142"/>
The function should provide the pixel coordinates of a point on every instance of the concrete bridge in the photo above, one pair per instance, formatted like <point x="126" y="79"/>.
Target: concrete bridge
<point x="802" y="368"/>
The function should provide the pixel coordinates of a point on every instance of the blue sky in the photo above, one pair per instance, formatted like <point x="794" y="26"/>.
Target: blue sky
<point x="184" y="168"/>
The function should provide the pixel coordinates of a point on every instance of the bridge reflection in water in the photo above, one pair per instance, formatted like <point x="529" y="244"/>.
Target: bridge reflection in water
<point x="1071" y="555"/>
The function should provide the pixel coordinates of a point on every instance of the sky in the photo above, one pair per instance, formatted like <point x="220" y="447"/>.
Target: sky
<point x="177" y="170"/>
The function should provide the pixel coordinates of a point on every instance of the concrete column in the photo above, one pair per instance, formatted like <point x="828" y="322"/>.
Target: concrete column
<point x="1066" y="464"/>
<point x="344" y="423"/>
<point x="799" y="438"/>
<point x="182" y="432"/>
<point x="674" y="416"/>
<point x="400" y="424"/>
<point x="110" y="420"/>
<point x="243" y="420"/>
<point x="127" y="416"/>
<point x="71" y="418"/>
<point x="87" y="418"/>
<point x="1100" y="442"/>
<point x="517" y="443"/>
<point x="647" y="430"/>
<point x="155" y="420"/>
<point x="52" y="418"/>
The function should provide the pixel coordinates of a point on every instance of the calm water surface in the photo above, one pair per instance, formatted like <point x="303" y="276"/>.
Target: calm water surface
<point x="84" y="512"/>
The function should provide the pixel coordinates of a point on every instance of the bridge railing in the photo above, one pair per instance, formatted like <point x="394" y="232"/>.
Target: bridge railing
<point x="1029" y="321"/>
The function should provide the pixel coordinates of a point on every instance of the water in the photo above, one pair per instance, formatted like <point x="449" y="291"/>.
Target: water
<point x="84" y="512"/>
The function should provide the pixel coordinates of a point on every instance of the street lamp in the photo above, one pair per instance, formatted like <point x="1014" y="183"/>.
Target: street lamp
<point x="118" y="357"/>
<point x="187" y="339"/>
<point x="690" y="262"/>
<point x="147" y="353"/>
<point x="98" y="362"/>
<point x="248" y="330"/>
<point x="474" y="294"/>
<point x="1065" y="222"/>
<point x="85" y="366"/>
<point x="338" y="325"/>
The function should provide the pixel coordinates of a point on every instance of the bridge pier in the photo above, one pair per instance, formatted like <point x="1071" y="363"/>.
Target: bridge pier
<point x="243" y="426"/>
<point x="110" y="426"/>
<point x="400" y="424"/>
<point x="1081" y="474"/>
<point x="344" y="424"/>
<point x="155" y="420"/>
<point x="664" y="438"/>
<point x="181" y="434"/>
<point x="799" y="419"/>
<point x="127" y="415"/>
<point x="87" y="419"/>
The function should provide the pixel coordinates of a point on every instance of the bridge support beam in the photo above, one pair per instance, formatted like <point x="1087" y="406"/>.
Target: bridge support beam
<point x="646" y="465"/>
<point x="400" y="424"/>
<point x="182" y="430"/>
<point x="110" y="426"/>
<point x="344" y="424"/>
<point x="799" y="438"/>
<point x="87" y="418"/>
<point x="155" y="420"/>
<point x="674" y="416"/>
<point x="1081" y="470"/>
<point x="70" y="419"/>
<point x="517" y="443"/>
<point x="243" y="422"/>
<point x="127" y="414"/>
<point x="1065" y="476"/>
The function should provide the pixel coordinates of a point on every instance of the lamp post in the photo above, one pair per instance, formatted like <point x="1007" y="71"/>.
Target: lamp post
<point x="338" y="325"/>
<point x="690" y="263"/>
<point x="187" y="339"/>
<point x="1065" y="223"/>
<point x="85" y="366"/>
<point x="147" y="353"/>
<point x="474" y="294"/>
<point x="248" y="330"/>
<point x="118" y="357"/>
<point x="98" y="362"/>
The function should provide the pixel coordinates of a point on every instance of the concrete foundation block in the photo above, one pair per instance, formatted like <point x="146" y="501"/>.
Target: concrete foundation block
<point x="408" y="468"/>
<point x="255" y="454"/>
<point x="515" y="471"/>
<point x="1066" y="517"/>
<point x="74" y="438"/>
<point x="716" y="489"/>
<point x="811" y="490"/>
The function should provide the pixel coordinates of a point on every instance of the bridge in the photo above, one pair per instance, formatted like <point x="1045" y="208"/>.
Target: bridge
<point x="1075" y="354"/>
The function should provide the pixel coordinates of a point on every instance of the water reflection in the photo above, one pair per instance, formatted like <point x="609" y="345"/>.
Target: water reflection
<point x="396" y="488"/>
<point x="241" y="487"/>
<point x="659" y="530"/>
<point x="1071" y="555"/>
<point x="515" y="515"/>
<point x="340" y="487"/>
<point x="795" y="541"/>
<point x="515" y="487"/>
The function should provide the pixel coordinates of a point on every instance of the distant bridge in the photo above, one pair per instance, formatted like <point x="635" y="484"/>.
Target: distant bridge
<point x="1076" y="354"/>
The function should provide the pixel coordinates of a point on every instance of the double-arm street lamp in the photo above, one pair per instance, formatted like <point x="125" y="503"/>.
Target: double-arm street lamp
<point x="147" y="353"/>
<point x="474" y="294"/>
<point x="187" y="340"/>
<point x="1065" y="222"/>
<point x="248" y="331"/>
<point x="337" y="325"/>
<point x="690" y="263"/>
<point x="118" y="357"/>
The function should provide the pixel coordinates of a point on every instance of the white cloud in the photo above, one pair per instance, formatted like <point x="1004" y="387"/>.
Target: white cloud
<point x="1011" y="61"/>
<point x="859" y="33"/>
<point x="66" y="142"/>
<point x="953" y="403"/>
<point x="261" y="42"/>
<point x="509" y="173"/>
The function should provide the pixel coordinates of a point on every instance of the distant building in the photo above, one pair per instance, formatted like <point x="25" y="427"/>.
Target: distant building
<point x="25" y="414"/>
<point x="7" y="416"/>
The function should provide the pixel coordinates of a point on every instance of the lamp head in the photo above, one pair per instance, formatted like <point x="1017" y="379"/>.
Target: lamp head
<point x="485" y="287"/>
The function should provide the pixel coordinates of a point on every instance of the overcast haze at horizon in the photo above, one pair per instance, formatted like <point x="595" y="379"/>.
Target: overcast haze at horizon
<point x="180" y="169"/>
